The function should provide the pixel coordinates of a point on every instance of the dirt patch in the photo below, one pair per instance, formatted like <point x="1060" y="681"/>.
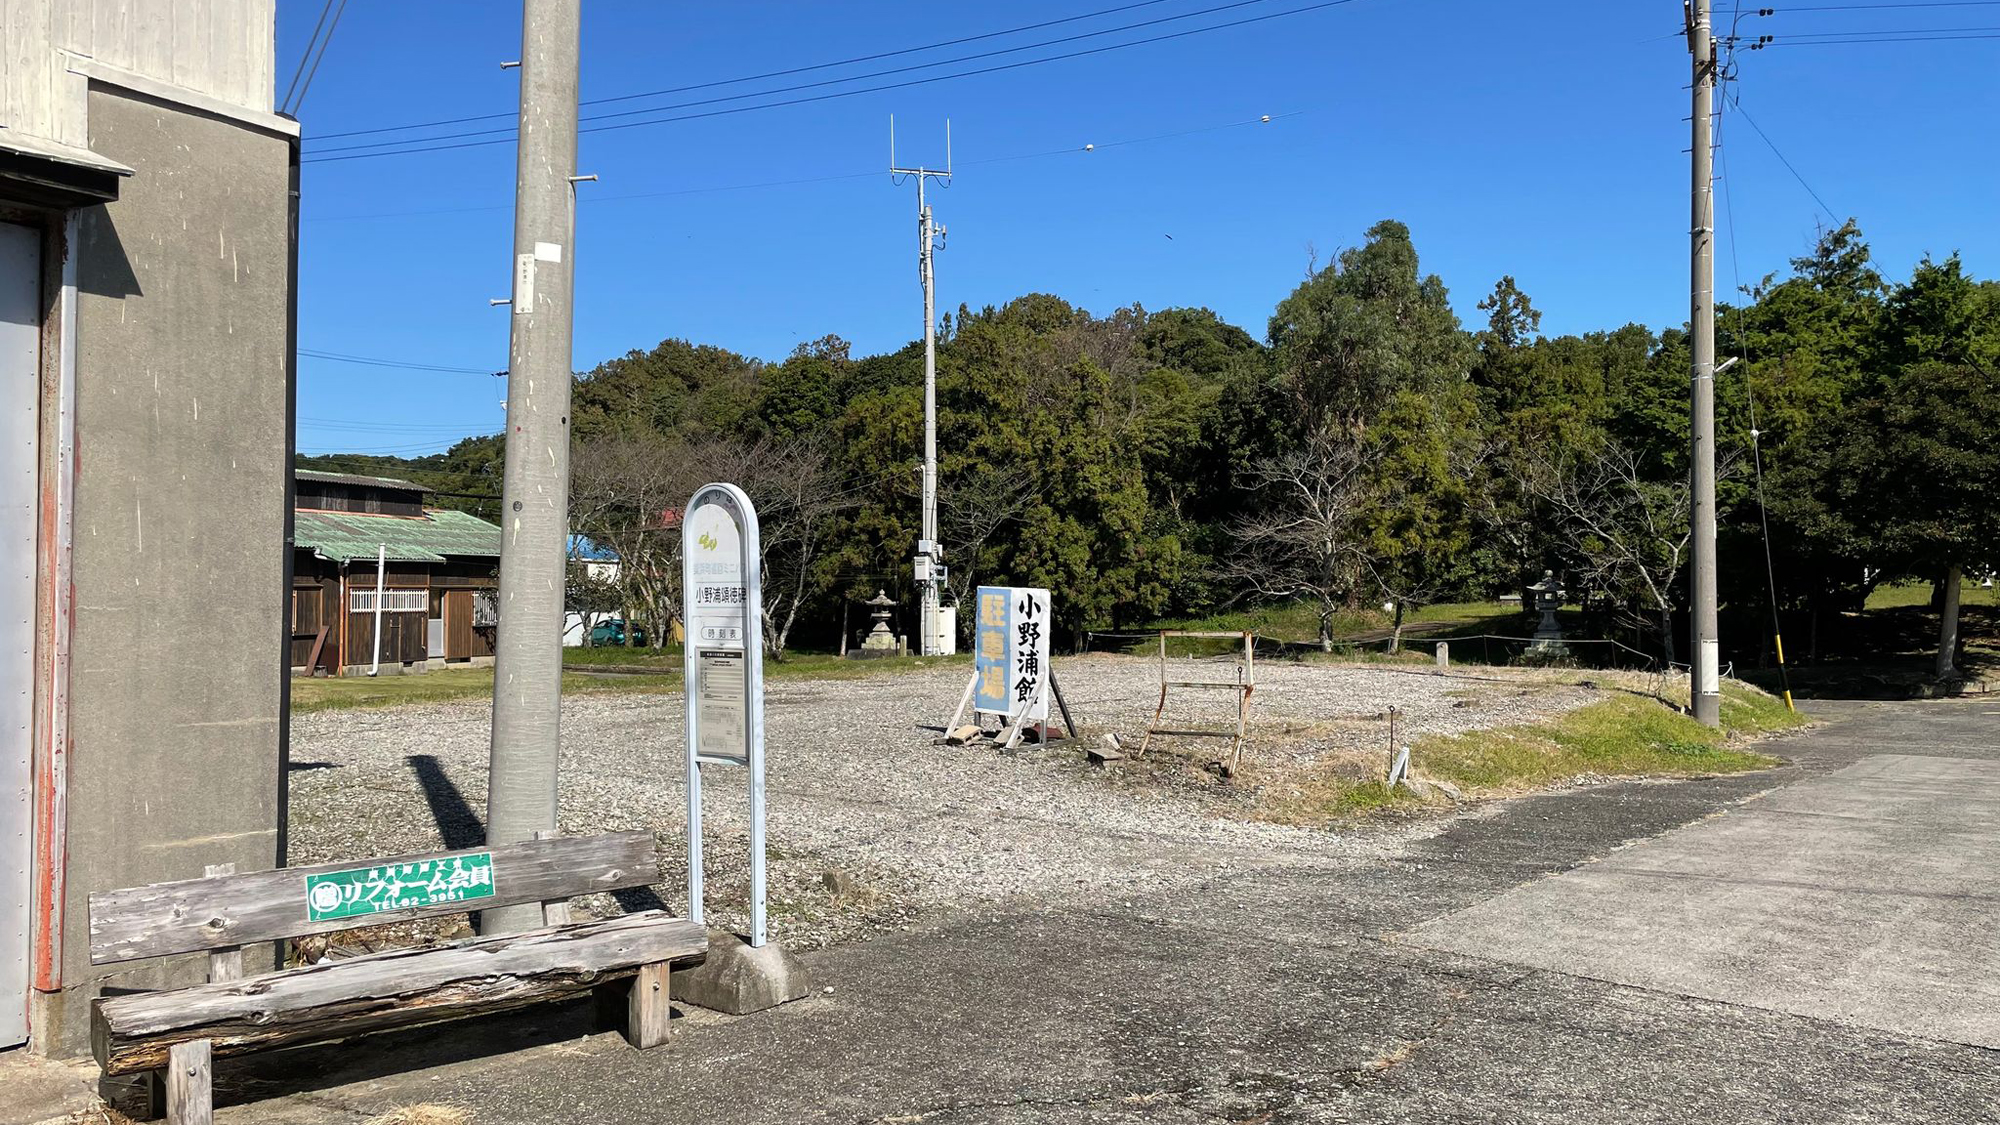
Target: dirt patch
<point x="871" y="822"/>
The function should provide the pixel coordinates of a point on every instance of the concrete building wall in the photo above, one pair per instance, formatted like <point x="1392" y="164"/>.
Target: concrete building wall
<point x="214" y="49"/>
<point x="181" y="413"/>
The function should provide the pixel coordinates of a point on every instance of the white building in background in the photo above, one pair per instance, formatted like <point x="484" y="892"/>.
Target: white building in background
<point x="600" y="563"/>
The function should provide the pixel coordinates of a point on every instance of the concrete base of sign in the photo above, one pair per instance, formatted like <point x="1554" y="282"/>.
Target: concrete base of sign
<point x="738" y="978"/>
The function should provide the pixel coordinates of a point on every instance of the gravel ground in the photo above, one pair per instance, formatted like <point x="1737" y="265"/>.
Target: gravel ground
<point x="870" y="821"/>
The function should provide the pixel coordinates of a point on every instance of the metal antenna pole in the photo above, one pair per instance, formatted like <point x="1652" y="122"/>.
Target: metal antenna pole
<point x="1705" y="658"/>
<point x="527" y="685"/>
<point x="930" y="553"/>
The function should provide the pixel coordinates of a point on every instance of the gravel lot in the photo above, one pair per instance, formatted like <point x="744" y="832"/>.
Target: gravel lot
<point x="871" y="822"/>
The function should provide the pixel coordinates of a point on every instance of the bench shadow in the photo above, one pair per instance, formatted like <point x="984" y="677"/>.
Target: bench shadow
<point x="634" y="899"/>
<point x="273" y="1074"/>
<point x="457" y="822"/>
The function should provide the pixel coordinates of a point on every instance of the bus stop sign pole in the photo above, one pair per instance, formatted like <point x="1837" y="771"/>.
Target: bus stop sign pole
<point x="723" y="668"/>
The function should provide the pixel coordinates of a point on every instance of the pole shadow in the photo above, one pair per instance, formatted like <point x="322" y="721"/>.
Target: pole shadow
<point x="457" y="822"/>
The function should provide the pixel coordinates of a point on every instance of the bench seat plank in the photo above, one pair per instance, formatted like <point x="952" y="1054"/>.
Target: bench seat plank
<point x="337" y="999"/>
<point x="232" y="910"/>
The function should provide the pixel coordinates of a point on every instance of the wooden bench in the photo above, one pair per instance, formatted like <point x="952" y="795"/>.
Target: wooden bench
<point x="173" y="1034"/>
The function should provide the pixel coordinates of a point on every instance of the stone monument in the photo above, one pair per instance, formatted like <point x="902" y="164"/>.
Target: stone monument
<point x="880" y="641"/>
<point x="1548" y="597"/>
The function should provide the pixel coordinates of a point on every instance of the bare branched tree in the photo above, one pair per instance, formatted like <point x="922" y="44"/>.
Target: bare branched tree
<point x="626" y="493"/>
<point x="973" y="511"/>
<point x="1303" y="541"/>
<point x="1630" y="530"/>
<point x="798" y="494"/>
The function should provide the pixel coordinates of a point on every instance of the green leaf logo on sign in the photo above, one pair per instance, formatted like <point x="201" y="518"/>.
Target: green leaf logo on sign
<point x="398" y="886"/>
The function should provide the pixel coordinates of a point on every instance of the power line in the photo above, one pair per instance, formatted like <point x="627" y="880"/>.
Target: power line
<point x="1788" y="9"/>
<point x="1324" y="4"/>
<point x="375" y="361"/>
<point x="767" y="74"/>
<point x="594" y="200"/>
<point x="299" y="72"/>
<point x="1750" y="397"/>
<point x="1797" y="35"/>
<point x="1795" y="41"/>
<point x="1736" y="103"/>
<point x="324" y="43"/>
<point x="976" y="56"/>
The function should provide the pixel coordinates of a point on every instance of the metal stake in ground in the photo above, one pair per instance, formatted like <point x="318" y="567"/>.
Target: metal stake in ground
<point x="527" y="650"/>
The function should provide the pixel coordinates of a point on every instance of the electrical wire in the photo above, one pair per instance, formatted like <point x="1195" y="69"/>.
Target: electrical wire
<point x="510" y="131"/>
<point x="1793" y="41"/>
<point x="299" y="102"/>
<point x="594" y="200"/>
<point x="768" y="74"/>
<point x="1787" y="9"/>
<point x="299" y="72"/>
<point x="374" y="361"/>
<point x="1736" y="103"/>
<point x="1324" y="4"/>
<point x="1750" y="396"/>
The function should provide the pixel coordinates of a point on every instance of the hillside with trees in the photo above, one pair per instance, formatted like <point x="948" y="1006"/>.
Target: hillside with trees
<point x="1369" y="448"/>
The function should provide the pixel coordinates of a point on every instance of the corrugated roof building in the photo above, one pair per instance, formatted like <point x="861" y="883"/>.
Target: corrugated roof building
<point x="437" y="573"/>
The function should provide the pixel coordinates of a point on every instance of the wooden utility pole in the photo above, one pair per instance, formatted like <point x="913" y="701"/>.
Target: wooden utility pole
<point x="1705" y="654"/>
<point x="534" y="513"/>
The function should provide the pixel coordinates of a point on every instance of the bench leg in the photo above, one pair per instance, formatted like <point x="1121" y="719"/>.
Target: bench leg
<point x="647" y="1010"/>
<point x="190" y="1084"/>
<point x="154" y="1083"/>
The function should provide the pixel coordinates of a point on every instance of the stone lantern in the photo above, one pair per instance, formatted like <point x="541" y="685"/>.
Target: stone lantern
<point x="880" y="640"/>
<point x="1547" y="597"/>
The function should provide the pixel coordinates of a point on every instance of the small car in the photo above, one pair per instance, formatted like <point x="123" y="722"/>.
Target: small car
<point x="612" y="633"/>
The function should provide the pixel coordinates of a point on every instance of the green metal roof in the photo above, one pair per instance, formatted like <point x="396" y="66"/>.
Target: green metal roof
<point x="346" y="536"/>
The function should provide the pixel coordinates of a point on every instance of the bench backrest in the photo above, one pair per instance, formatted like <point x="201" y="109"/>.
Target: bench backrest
<point x="222" y="911"/>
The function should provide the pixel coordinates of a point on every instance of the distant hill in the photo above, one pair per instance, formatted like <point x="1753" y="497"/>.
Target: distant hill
<point x="465" y="477"/>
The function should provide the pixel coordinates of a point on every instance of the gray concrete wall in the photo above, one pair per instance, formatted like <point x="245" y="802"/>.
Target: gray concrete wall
<point x="177" y="656"/>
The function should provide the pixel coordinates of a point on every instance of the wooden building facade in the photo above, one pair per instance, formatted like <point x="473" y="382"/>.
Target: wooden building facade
<point x="438" y="575"/>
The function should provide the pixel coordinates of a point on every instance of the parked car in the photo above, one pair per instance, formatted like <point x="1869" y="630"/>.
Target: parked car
<point x="612" y="632"/>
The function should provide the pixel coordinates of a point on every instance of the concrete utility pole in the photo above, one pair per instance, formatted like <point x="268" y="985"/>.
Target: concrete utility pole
<point x="527" y="686"/>
<point x="1705" y="654"/>
<point x="930" y="554"/>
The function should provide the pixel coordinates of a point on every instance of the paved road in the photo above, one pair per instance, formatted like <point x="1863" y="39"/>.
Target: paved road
<point x="1811" y="944"/>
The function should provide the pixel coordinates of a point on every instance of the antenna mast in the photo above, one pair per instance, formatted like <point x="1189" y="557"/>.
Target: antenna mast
<point x="932" y="638"/>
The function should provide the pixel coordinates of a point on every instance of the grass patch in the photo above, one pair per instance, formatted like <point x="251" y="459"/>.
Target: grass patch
<point x="1902" y="595"/>
<point x="1623" y="735"/>
<point x="341" y="692"/>
<point x="1620" y="736"/>
<point x="655" y="672"/>
<point x="1298" y="622"/>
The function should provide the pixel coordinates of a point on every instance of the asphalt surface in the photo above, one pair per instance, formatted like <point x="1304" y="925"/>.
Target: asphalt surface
<point x="1459" y="979"/>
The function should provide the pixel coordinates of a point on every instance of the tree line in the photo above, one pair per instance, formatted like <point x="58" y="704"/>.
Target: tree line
<point x="1369" y="448"/>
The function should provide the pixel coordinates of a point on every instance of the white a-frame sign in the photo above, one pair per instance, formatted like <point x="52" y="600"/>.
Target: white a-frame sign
<point x="1011" y="673"/>
<point x="723" y="668"/>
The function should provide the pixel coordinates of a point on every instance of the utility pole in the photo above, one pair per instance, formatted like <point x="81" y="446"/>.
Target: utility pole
<point x="527" y="684"/>
<point x="1705" y="684"/>
<point x="930" y="554"/>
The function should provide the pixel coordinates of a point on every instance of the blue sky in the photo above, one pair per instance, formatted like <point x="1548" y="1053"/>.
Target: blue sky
<point x="1543" y="140"/>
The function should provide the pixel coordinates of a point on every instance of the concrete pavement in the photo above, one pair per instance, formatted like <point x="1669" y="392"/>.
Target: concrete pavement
<point x="1391" y="990"/>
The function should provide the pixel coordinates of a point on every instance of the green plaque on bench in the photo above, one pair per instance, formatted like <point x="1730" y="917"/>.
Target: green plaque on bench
<point x="384" y="888"/>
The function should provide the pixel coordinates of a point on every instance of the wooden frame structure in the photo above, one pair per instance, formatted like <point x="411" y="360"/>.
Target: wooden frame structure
<point x="1243" y="685"/>
<point x="1016" y="723"/>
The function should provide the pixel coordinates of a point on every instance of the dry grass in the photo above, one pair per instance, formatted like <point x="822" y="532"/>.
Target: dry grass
<point x="424" y="1113"/>
<point x="1629" y="733"/>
